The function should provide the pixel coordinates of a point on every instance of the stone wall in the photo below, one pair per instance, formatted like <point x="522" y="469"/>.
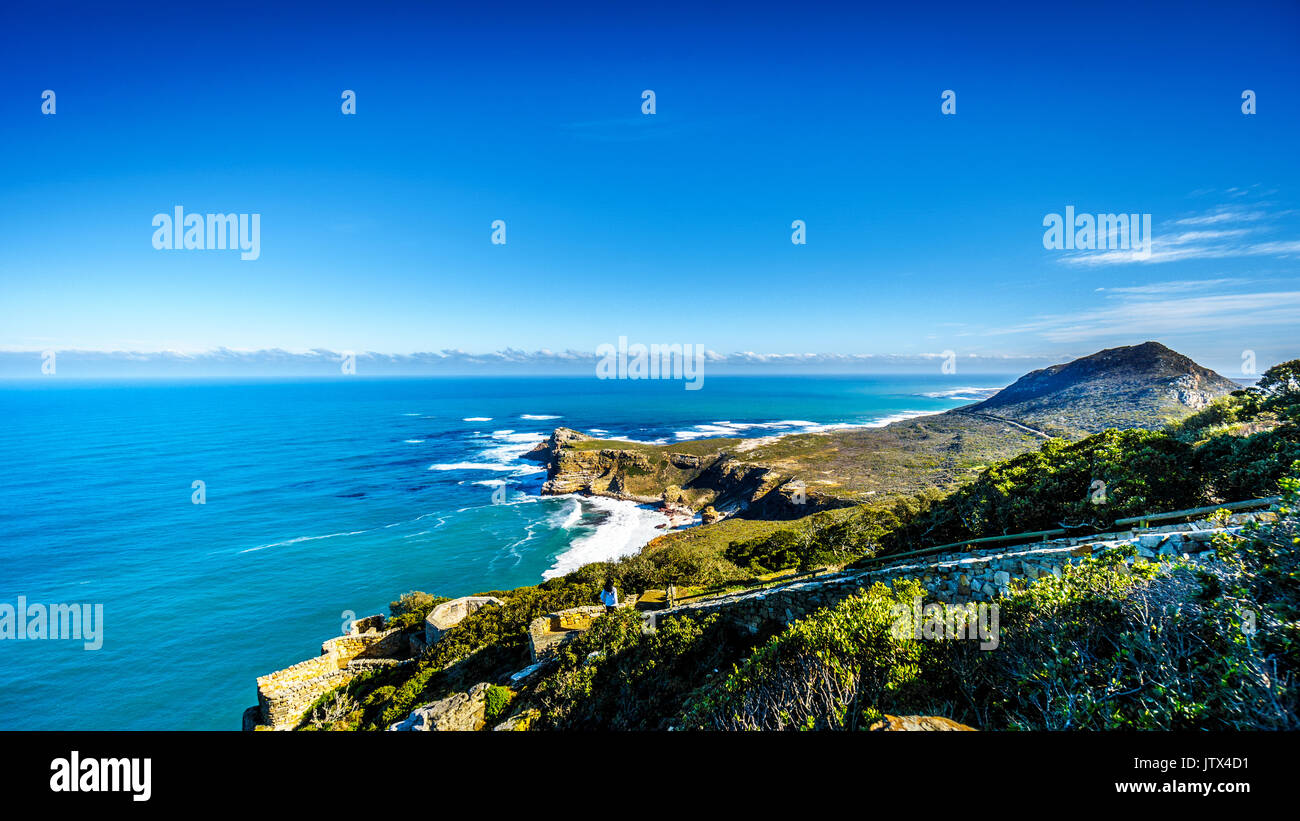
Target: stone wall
<point x="553" y="629"/>
<point x="284" y="696"/>
<point x="956" y="578"/>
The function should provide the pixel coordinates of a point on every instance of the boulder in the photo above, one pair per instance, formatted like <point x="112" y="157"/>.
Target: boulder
<point x="448" y="614"/>
<point x="519" y="721"/>
<point x="684" y="460"/>
<point x="919" y="723"/>
<point x="461" y="712"/>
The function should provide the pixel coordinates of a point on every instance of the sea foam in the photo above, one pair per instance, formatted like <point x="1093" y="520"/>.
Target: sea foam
<point x="627" y="528"/>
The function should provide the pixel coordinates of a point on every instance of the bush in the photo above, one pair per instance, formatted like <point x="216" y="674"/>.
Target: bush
<point x="498" y="702"/>
<point x="824" y="540"/>
<point x="1114" y="643"/>
<point x="614" y="677"/>
<point x="411" y="609"/>
<point x="832" y="670"/>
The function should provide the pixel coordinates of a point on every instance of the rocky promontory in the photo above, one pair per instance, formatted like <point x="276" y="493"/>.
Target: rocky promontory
<point x="794" y="475"/>
<point x="706" y="474"/>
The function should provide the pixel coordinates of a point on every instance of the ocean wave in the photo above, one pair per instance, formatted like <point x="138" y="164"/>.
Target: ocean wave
<point x="442" y="520"/>
<point x="472" y="466"/>
<point x="303" y="539"/>
<point x="970" y="393"/>
<point x="538" y="416"/>
<point x="731" y="429"/>
<point x="477" y="419"/>
<point x="507" y="448"/>
<point x="511" y="436"/>
<point x="788" y="426"/>
<point x="627" y="528"/>
<point x="413" y="441"/>
<point x="573" y="516"/>
<point x="511" y="550"/>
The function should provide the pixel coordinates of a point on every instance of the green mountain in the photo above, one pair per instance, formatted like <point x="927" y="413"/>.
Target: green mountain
<point x="1137" y="386"/>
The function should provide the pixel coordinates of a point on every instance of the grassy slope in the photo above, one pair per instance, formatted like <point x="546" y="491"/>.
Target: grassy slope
<point x="869" y="464"/>
<point x="853" y="464"/>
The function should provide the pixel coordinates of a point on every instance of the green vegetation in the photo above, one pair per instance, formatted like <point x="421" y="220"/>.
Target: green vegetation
<point x="829" y="671"/>
<point x="1109" y="645"/>
<point x="498" y="701"/>
<point x="902" y="459"/>
<point x="614" y="677"/>
<point x="1115" y="643"/>
<point x="826" y="539"/>
<point x="1237" y="448"/>
<point x="411" y="609"/>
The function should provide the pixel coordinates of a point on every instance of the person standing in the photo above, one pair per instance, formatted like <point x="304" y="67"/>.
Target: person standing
<point x="609" y="597"/>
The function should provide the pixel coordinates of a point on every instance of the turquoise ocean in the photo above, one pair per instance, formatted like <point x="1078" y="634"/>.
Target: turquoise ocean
<point x="321" y="497"/>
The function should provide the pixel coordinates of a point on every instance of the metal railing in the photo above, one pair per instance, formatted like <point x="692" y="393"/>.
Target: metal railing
<point x="1249" y="504"/>
<point x="1140" y="521"/>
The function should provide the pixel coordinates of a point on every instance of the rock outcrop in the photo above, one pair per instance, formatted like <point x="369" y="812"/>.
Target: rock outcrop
<point x="449" y="614"/>
<point x="519" y="721"/>
<point x="650" y="474"/>
<point x="460" y="712"/>
<point x="918" y="723"/>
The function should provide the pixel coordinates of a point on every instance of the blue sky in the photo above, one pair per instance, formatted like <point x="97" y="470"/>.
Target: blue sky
<point x="924" y="230"/>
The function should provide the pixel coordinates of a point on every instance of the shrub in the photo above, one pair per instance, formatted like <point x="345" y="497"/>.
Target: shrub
<point x="498" y="702"/>
<point x="614" y="677"/>
<point x="1113" y="643"/>
<point x="831" y="670"/>
<point x="411" y="609"/>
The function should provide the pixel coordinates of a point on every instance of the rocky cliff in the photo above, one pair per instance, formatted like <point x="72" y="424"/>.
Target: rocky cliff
<point x="699" y="474"/>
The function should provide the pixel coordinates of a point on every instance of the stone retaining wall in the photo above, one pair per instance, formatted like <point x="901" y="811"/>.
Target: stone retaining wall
<point x="955" y="578"/>
<point x="283" y="696"/>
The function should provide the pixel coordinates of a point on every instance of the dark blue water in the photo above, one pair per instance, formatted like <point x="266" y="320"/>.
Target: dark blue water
<point x="321" y="497"/>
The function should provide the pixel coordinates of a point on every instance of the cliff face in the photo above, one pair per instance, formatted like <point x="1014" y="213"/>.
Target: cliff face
<point x="606" y="471"/>
<point x="695" y="474"/>
<point x="1138" y="386"/>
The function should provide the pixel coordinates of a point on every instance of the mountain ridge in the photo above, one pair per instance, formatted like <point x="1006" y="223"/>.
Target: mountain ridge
<point x="788" y="476"/>
<point x="1134" y="386"/>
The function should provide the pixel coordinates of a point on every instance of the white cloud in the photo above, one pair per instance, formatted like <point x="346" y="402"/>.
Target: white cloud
<point x="1233" y="231"/>
<point x="1149" y="318"/>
